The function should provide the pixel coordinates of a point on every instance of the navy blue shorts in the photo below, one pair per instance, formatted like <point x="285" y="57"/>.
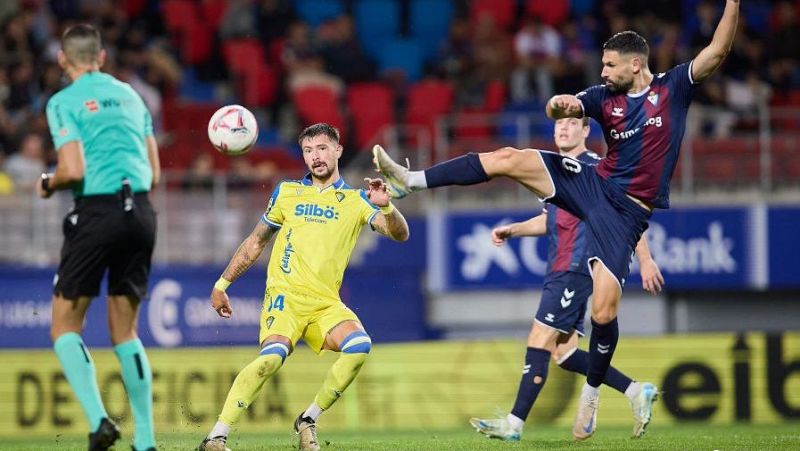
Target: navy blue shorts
<point x="564" y="298"/>
<point x="615" y="222"/>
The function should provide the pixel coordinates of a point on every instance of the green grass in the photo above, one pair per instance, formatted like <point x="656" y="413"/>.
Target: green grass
<point x="682" y="437"/>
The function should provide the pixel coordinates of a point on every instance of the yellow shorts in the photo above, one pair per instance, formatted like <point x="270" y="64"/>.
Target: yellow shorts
<point x="300" y="316"/>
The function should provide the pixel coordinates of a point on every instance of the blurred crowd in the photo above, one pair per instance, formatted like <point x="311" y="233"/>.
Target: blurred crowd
<point x="542" y="47"/>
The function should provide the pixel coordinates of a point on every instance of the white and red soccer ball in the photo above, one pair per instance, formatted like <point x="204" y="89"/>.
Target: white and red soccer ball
<point x="233" y="130"/>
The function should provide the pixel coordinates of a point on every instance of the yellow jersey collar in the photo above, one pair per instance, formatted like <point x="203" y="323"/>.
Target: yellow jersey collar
<point x="338" y="184"/>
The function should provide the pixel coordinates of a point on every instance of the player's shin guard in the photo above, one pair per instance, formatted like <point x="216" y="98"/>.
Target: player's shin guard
<point x="80" y="372"/>
<point x="463" y="170"/>
<point x="534" y="374"/>
<point x="355" y="348"/>
<point x="602" y="344"/>
<point x="138" y="379"/>
<point x="250" y="380"/>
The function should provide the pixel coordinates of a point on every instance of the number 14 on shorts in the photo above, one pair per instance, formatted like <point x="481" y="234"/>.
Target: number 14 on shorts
<point x="275" y="303"/>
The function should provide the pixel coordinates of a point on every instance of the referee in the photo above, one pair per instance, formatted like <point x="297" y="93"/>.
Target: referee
<point x="108" y="157"/>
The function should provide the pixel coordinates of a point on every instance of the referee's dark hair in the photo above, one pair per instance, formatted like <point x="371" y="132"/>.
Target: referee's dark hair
<point x="81" y="44"/>
<point x="628" y="42"/>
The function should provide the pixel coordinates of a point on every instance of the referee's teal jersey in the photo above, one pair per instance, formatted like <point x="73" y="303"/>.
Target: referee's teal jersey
<point x="112" y="122"/>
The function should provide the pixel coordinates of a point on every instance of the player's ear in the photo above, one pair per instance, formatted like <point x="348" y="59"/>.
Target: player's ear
<point x="62" y="59"/>
<point x="339" y="150"/>
<point x="636" y="64"/>
<point x="101" y="57"/>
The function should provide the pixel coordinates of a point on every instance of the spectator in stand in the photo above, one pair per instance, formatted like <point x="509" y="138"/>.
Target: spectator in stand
<point x="303" y="63"/>
<point x="27" y="164"/>
<point x="200" y="175"/>
<point x="343" y="54"/>
<point x="491" y="60"/>
<point x="274" y="17"/>
<point x="784" y="47"/>
<point x="6" y="184"/>
<point x="538" y="48"/>
<point x="455" y="54"/>
<point x="238" y="21"/>
<point x="570" y="70"/>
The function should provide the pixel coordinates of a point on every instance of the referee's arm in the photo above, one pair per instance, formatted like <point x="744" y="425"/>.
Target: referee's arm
<point x="152" y="156"/>
<point x="69" y="170"/>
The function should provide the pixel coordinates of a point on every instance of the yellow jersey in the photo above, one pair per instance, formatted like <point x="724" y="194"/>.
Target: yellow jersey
<point x="318" y="229"/>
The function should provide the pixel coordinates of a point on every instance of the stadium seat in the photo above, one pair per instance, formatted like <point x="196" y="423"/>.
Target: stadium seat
<point x="429" y="23"/>
<point x="502" y="11"/>
<point x="240" y="54"/>
<point x="315" y="12"/>
<point x="402" y="55"/>
<point x="371" y="107"/>
<point x="551" y="12"/>
<point x="427" y="100"/>
<point x="376" y="22"/>
<point x="259" y="85"/>
<point x="318" y="104"/>
<point x="178" y="15"/>
<point x="213" y="11"/>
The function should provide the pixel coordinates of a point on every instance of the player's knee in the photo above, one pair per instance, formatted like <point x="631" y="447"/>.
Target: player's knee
<point x="604" y="316"/>
<point x="357" y="344"/>
<point x="272" y="356"/>
<point x="502" y="160"/>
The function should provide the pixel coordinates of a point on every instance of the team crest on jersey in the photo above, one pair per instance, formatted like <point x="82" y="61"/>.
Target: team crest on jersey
<point x="92" y="106"/>
<point x="339" y="196"/>
<point x="653" y="98"/>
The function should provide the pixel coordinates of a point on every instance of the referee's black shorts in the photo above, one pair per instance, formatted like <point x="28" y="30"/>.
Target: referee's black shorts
<point x="100" y="235"/>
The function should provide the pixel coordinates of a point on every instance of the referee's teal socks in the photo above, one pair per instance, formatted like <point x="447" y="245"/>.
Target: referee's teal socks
<point x="138" y="379"/>
<point x="79" y="369"/>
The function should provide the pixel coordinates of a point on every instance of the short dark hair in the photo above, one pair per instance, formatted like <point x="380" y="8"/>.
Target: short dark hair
<point x="628" y="42"/>
<point x="585" y="120"/>
<point x="317" y="129"/>
<point x="81" y="44"/>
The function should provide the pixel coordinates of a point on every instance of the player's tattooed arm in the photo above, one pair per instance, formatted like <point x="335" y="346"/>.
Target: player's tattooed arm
<point x="389" y="222"/>
<point x="249" y="251"/>
<point x="710" y="58"/>
<point x="536" y="226"/>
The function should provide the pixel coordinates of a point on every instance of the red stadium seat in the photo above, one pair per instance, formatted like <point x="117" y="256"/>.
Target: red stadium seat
<point x="502" y="11"/>
<point x="178" y="15"/>
<point x="259" y="85"/>
<point x="371" y="107"/>
<point x="427" y="100"/>
<point x="551" y="12"/>
<point x="213" y="11"/>
<point x="319" y="104"/>
<point x="241" y="54"/>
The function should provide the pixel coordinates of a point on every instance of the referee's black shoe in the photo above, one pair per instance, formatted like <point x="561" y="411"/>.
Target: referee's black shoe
<point x="104" y="437"/>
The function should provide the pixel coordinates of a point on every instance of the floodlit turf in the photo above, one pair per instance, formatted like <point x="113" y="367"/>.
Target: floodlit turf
<point x="685" y="437"/>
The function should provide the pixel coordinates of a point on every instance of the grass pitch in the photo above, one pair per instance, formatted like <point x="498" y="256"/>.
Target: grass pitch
<point x="681" y="437"/>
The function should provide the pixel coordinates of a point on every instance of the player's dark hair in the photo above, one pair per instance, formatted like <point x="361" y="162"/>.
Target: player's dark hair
<point x="628" y="42"/>
<point x="585" y="120"/>
<point x="81" y="44"/>
<point x="320" y="128"/>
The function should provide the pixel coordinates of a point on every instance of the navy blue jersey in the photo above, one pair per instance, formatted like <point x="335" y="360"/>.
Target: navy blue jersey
<point x="566" y="234"/>
<point x="643" y="132"/>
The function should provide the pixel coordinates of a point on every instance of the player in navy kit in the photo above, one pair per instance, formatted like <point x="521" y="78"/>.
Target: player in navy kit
<point x="616" y="199"/>
<point x="566" y="292"/>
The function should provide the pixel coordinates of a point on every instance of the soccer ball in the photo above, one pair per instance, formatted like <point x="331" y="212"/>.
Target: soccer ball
<point x="233" y="130"/>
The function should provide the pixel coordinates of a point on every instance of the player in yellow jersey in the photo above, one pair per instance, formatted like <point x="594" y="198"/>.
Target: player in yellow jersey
<point x="316" y="222"/>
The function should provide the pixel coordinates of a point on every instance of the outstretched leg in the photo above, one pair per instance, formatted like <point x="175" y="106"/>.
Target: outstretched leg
<point x="353" y="344"/>
<point x="525" y="166"/>
<point x="245" y="389"/>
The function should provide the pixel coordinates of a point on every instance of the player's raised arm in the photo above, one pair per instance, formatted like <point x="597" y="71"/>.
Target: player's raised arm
<point x="710" y="58"/>
<point x="562" y="106"/>
<point x="242" y="260"/>
<point x="652" y="280"/>
<point x="536" y="226"/>
<point x="389" y="222"/>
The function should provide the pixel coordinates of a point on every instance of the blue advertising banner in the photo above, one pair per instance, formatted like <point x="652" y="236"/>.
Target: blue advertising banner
<point x="784" y="247"/>
<point x="382" y="286"/>
<point x="696" y="248"/>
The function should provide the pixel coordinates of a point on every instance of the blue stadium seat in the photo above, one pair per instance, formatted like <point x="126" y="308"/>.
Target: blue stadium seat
<point x="376" y="22"/>
<point x="430" y="23"/>
<point x="191" y="88"/>
<point x="580" y="8"/>
<point x="314" y="12"/>
<point x="404" y="55"/>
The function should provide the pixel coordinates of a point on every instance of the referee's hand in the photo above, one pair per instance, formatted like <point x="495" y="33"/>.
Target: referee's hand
<point x="221" y="303"/>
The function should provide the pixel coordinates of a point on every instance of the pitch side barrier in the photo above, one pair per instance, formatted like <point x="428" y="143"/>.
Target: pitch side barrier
<point x="718" y="378"/>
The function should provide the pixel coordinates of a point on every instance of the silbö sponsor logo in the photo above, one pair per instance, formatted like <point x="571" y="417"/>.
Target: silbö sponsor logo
<point x="315" y="213"/>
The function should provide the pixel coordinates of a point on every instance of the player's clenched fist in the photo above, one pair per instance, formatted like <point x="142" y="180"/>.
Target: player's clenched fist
<point x="501" y="234"/>
<point x="221" y="303"/>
